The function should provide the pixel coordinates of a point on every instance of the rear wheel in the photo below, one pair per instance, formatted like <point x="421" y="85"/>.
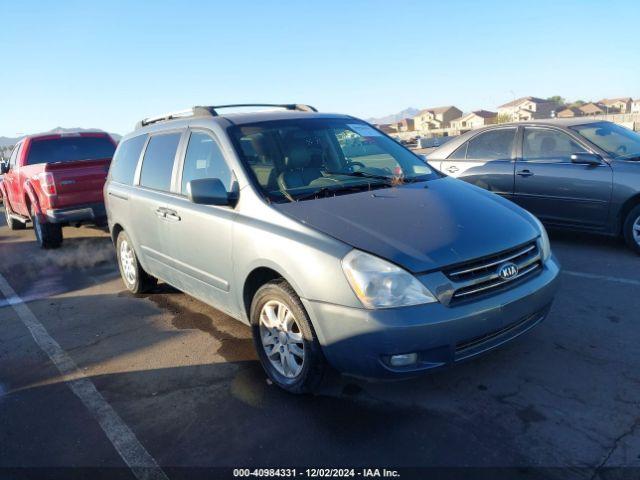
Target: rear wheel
<point x="631" y="229"/>
<point x="285" y="340"/>
<point x="48" y="235"/>
<point x="135" y="278"/>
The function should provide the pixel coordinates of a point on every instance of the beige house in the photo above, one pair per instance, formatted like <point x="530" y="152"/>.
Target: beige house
<point x="436" y="120"/>
<point x="635" y="106"/>
<point x="472" y="120"/>
<point x="616" y="105"/>
<point x="569" y="112"/>
<point x="404" y="125"/>
<point x="590" y="109"/>
<point x="527" y="108"/>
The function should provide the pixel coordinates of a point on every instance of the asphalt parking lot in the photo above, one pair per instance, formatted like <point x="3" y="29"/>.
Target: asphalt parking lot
<point x="183" y="379"/>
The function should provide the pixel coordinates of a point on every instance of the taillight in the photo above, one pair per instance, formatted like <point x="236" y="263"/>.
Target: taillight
<point x="47" y="183"/>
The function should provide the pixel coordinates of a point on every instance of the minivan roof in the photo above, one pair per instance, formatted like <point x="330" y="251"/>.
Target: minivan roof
<point x="271" y="115"/>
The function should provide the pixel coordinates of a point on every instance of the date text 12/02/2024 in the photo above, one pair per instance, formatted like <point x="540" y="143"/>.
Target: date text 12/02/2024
<point x="316" y="472"/>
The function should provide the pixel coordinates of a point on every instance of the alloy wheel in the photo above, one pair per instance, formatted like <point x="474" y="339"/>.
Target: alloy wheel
<point x="636" y="230"/>
<point x="281" y="339"/>
<point x="127" y="261"/>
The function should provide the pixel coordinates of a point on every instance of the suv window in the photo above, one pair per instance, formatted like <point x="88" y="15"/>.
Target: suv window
<point x="204" y="159"/>
<point x="492" y="145"/>
<point x="544" y="144"/>
<point x="157" y="164"/>
<point x="125" y="161"/>
<point x="70" y="149"/>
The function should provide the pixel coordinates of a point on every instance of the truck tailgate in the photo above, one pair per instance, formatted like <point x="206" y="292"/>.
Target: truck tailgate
<point x="78" y="182"/>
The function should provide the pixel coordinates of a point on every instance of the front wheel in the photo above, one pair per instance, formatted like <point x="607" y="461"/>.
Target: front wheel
<point x="285" y="340"/>
<point x="48" y="235"/>
<point x="631" y="229"/>
<point x="135" y="278"/>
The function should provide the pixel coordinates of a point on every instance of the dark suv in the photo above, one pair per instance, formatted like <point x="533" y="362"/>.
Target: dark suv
<point x="576" y="173"/>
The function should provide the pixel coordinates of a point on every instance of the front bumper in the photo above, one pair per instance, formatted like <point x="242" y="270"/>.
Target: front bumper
<point x="359" y="341"/>
<point x="92" y="212"/>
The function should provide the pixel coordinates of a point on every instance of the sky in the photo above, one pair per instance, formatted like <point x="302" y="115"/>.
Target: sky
<point x="108" y="64"/>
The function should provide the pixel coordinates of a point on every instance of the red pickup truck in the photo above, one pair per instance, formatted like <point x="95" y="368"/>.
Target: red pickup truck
<point x="56" y="179"/>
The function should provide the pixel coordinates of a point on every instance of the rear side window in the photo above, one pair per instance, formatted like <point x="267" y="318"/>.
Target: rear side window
<point x="157" y="164"/>
<point x="460" y="153"/>
<point x="204" y="160"/>
<point x="123" y="167"/>
<point x="493" y="145"/>
<point x="69" y="149"/>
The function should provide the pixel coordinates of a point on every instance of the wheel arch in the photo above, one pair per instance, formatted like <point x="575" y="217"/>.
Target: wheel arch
<point x="257" y="276"/>
<point x="629" y="205"/>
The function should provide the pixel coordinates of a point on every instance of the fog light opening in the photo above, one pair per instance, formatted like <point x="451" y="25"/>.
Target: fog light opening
<point x="403" y="360"/>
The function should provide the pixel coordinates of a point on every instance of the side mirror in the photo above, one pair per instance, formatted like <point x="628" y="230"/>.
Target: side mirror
<point x="590" y="159"/>
<point x="4" y="167"/>
<point x="208" y="191"/>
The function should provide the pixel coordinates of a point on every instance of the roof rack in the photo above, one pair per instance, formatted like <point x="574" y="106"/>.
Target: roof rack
<point x="212" y="111"/>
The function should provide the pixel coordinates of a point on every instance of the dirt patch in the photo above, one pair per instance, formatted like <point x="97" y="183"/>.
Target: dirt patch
<point x="235" y="338"/>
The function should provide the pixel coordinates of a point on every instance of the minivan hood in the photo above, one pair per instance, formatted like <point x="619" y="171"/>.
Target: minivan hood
<point x="422" y="226"/>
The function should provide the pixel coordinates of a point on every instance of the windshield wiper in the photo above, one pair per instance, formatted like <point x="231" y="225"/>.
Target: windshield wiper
<point x="365" y="175"/>
<point x="328" y="191"/>
<point x="392" y="181"/>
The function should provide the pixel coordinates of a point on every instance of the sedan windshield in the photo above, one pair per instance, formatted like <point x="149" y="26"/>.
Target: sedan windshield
<point x="617" y="141"/>
<point x="308" y="158"/>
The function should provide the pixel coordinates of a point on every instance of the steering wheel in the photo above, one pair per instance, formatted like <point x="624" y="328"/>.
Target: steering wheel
<point x="350" y="164"/>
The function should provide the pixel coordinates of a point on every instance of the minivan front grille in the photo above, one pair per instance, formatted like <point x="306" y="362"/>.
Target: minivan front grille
<point x="481" y="276"/>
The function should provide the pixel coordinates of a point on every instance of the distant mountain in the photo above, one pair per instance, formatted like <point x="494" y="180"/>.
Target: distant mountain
<point x="9" y="141"/>
<point x="395" y="117"/>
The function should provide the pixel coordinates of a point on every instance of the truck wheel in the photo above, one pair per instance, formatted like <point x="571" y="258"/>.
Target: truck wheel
<point x="48" y="235"/>
<point x="285" y="340"/>
<point x="135" y="278"/>
<point x="631" y="229"/>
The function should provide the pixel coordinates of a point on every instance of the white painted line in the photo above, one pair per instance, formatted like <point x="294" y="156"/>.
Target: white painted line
<point x="141" y="463"/>
<point x="606" y="278"/>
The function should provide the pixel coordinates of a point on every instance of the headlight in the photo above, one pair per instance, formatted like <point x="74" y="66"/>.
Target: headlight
<point x="380" y="284"/>
<point x="545" y="245"/>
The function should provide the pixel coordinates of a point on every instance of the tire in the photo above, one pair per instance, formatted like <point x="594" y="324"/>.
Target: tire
<point x="48" y="235"/>
<point x="294" y="339"/>
<point x="133" y="275"/>
<point x="631" y="229"/>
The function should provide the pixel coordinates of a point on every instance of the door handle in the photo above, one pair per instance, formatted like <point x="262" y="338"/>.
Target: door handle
<point x="172" y="215"/>
<point x="452" y="169"/>
<point x="525" y="173"/>
<point x="161" y="212"/>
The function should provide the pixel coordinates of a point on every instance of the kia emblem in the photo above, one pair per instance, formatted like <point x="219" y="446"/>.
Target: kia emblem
<point x="507" y="271"/>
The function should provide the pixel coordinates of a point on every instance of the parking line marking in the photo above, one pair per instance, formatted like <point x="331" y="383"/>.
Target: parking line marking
<point x="141" y="463"/>
<point x="607" y="278"/>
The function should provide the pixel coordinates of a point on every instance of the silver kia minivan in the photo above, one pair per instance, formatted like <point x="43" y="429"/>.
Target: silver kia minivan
<point x="337" y="245"/>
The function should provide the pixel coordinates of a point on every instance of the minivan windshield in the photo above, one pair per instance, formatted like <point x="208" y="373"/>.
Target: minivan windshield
<point x="617" y="141"/>
<point x="307" y="158"/>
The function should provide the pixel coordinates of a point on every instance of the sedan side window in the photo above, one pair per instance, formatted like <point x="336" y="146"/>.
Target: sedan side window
<point x="204" y="159"/>
<point x="547" y="145"/>
<point x="460" y="153"/>
<point x="492" y="145"/>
